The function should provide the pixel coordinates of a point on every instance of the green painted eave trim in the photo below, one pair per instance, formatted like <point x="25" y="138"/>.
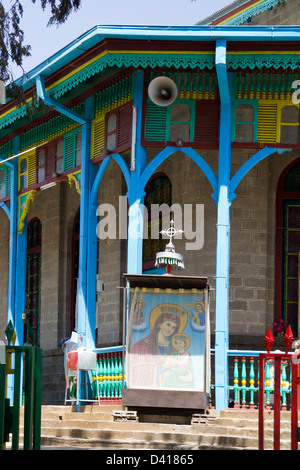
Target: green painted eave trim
<point x="243" y="17"/>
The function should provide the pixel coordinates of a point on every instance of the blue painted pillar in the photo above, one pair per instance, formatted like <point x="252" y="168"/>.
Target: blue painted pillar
<point x="87" y="241"/>
<point x="13" y="220"/>
<point x="136" y="192"/>
<point x="17" y="255"/>
<point x="20" y="295"/>
<point x="223" y="232"/>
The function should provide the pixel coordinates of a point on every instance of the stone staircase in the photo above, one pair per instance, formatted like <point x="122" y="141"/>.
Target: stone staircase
<point x="108" y="427"/>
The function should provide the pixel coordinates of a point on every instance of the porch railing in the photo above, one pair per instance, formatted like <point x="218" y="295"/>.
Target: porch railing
<point x="243" y="379"/>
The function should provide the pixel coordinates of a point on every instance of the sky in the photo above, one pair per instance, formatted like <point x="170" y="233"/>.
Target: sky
<point x="47" y="40"/>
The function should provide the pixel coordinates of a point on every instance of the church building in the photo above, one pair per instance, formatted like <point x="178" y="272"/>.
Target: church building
<point x="94" y="149"/>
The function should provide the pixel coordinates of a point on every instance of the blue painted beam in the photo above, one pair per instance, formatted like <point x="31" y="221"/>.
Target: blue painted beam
<point x="41" y="93"/>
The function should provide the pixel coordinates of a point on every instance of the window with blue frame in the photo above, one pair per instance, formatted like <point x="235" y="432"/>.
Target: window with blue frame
<point x="181" y="121"/>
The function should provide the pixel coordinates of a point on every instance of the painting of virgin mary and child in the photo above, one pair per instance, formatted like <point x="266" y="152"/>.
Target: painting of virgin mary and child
<point x="161" y="356"/>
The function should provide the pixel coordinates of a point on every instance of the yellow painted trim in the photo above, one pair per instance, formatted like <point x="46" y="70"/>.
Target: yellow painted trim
<point x="279" y="105"/>
<point x="263" y="53"/>
<point x="72" y="179"/>
<point x="22" y="216"/>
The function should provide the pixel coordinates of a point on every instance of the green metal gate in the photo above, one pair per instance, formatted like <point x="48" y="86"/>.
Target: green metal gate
<point x="24" y="363"/>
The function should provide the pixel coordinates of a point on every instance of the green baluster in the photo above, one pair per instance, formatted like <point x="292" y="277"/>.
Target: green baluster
<point x="116" y="377"/>
<point x="258" y="86"/>
<point x="99" y="101"/>
<point x="94" y="383"/>
<point x="276" y="87"/>
<point x="283" y="385"/>
<point x="194" y="86"/>
<point x="112" y="374"/>
<point x="200" y="86"/>
<point x="252" y="382"/>
<point x="188" y="86"/>
<point x="268" y="385"/>
<point x="246" y="85"/>
<point x="109" y="381"/>
<point x="236" y="382"/>
<point x="108" y="377"/>
<point x="182" y="85"/>
<point x="239" y="86"/>
<point x="270" y="86"/>
<point x="120" y="373"/>
<point x="104" y="376"/>
<point x="282" y="87"/>
<point x="252" y="78"/>
<point x="128" y="88"/>
<point x="206" y="94"/>
<point x="100" y="378"/>
<point x="244" y="381"/>
<point x="264" y="86"/>
<point x="213" y="86"/>
<point x="288" y="87"/>
<point x="105" y="100"/>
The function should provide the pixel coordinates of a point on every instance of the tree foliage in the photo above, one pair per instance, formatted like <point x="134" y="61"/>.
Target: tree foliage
<point x="12" y="40"/>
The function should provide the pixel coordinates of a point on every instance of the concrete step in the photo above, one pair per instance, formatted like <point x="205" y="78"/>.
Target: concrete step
<point x="95" y="428"/>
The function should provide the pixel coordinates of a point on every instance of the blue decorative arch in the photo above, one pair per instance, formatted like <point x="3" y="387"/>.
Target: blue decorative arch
<point x="124" y="168"/>
<point x="5" y="208"/>
<point x="192" y="154"/>
<point x="249" y="164"/>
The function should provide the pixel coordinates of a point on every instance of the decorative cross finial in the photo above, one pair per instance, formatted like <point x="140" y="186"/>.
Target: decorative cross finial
<point x="169" y="257"/>
<point x="171" y="231"/>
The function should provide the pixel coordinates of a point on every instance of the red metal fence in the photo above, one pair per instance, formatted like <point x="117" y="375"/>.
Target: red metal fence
<point x="278" y="359"/>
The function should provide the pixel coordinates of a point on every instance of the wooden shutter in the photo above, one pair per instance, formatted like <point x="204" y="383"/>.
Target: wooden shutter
<point x="207" y="122"/>
<point x="124" y="120"/>
<point x="69" y="150"/>
<point x="155" y="122"/>
<point x="50" y="153"/>
<point x="31" y="168"/>
<point x="98" y="137"/>
<point x="267" y="123"/>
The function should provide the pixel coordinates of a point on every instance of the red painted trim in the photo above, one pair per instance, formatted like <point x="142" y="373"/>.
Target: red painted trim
<point x="234" y="12"/>
<point x="257" y="145"/>
<point x="277" y="402"/>
<point x="261" y="401"/>
<point x="263" y="46"/>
